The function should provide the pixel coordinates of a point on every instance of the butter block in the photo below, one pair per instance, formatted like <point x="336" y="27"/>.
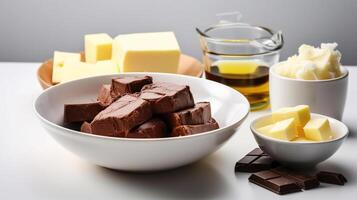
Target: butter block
<point x="58" y="61"/>
<point x="284" y="130"/>
<point x="300" y="113"/>
<point x="318" y="130"/>
<point x="75" y="69"/>
<point x="97" y="47"/>
<point x="148" y="52"/>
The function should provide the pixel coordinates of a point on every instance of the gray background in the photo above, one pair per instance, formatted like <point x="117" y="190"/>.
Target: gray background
<point x="30" y="30"/>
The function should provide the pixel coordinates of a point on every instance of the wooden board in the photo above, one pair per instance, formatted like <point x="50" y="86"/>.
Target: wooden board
<point x="187" y="66"/>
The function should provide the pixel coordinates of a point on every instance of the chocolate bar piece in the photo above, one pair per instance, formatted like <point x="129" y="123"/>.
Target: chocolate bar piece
<point x="104" y="96"/>
<point x="167" y="97"/>
<point x="274" y="182"/>
<point x="303" y="180"/>
<point x="154" y="128"/>
<point x="331" y="177"/>
<point x="255" y="161"/>
<point x="81" y="112"/>
<point x="128" y="85"/>
<point x="200" y="114"/>
<point x="194" y="129"/>
<point x="86" y="127"/>
<point x="121" y="116"/>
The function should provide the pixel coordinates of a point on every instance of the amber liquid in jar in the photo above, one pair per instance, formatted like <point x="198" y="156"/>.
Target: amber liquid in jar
<point x="251" y="78"/>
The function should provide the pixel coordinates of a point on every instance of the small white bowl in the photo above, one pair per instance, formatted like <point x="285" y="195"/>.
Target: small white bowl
<point x="298" y="154"/>
<point x="326" y="97"/>
<point x="229" y="108"/>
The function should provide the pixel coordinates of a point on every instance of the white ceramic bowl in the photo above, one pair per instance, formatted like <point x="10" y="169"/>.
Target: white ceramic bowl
<point x="326" y="97"/>
<point x="299" y="154"/>
<point x="229" y="108"/>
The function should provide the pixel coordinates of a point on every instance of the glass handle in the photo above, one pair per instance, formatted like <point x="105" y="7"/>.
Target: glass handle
<point x="275" y="42"/>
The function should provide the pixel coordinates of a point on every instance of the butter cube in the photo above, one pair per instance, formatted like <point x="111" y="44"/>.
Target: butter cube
<point x="75" y="69"/>
<point x="97" y="47"/>
<point x="284" y="130"/>
<point x="300" y="113"/>
<point x="265" y="130"/>
<point x="318" y="129"/>
<point x="58" y="61"/>
<point x="149" y="52"/>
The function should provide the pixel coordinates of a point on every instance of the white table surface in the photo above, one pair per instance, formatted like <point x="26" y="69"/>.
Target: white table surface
<point x="34" y="166"/>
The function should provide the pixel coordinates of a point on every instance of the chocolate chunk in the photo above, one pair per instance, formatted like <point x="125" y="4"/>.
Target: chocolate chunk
<point x="257" y="152"/>
<point x="331" y="177"/>
<point x="255" y="161"/>
<point x="303" y="180"/>
<point x="104" y="96"/>
<point x="121" y="116"/>
<point x="81" y="112"/>
<point x="154" y="128"/>
<point x="128" y="85"/>
<point x="274" y="182"/>
<point x="86" y="127"/>
<point x="200" y="114"/>
<point x="194" y="129"/>
<point x="167" y="97"/>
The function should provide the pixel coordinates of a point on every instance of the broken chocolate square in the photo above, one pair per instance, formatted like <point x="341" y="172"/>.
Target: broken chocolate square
<point x="154" y="128"/>
<point x="104" y="96"/>
<point x="128" y="85"/>
<point x="81" y="112"/>
<point x="121" y="116"/>
<point x="199" y="114"/>
<point x="167" y="97"/>
<point x="194" y="129"/>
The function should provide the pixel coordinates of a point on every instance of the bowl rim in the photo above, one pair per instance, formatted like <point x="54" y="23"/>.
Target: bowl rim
<point x="270" y="139"/>
<point x="65" y="130"/>
<point x="345" y="74"/>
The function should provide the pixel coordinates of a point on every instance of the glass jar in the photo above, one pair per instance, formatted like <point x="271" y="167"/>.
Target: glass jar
<point x="239" y="55"/>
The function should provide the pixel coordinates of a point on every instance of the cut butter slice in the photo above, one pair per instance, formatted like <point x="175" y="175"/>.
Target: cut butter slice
<point x="75" y="69"/>
<point x="301" y="114"/>
<point x="284" y="130"/>
<point x="58" y="62"/>
<point x="318" y="130"/>
<point x="97" y="47"/>
<point x="265" y="130"/>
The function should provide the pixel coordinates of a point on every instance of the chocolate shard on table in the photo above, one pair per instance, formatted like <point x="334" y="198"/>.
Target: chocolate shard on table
<point x="128" y="85"/>
<point x="167" y="97"/>
<point x="305" y="181"/>
<point x="81" y="112"/>
<point x="331" y="177"/>
<point x="104" y="96"/>
<point x="184" y="130"/>
<point x="121" y="116"/>
<point x="154" y="128"/>
<point x="199" y="114"/>
<point x="274" y="182"/>
<point x="255" y="161"/>
<point x="86" y="128"/>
